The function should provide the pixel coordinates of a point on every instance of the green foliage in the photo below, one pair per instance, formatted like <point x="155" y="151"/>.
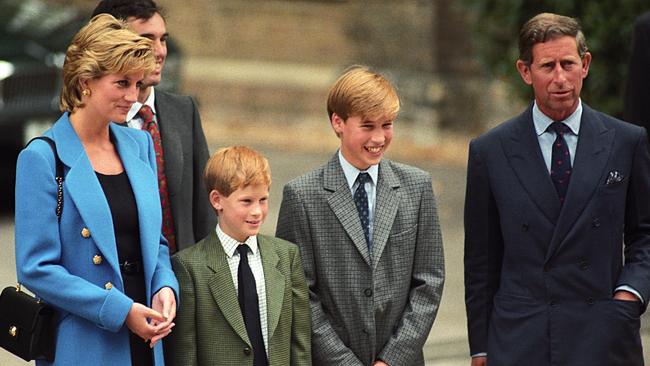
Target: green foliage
<point x="608" y="26"/>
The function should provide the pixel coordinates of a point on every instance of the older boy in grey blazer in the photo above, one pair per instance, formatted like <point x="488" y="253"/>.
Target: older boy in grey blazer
<point x="369" y="237"/>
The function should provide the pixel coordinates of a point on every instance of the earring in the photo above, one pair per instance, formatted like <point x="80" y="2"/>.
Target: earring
<point x="85" y="92"/>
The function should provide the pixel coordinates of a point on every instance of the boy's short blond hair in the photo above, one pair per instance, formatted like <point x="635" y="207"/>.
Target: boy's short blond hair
<point x="234" y="167"/>
<point x="362" y="92"/>
<point x="104" y="46"/>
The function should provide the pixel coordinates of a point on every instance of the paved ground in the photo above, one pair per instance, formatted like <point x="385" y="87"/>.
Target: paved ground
<point x="446" y="345"/>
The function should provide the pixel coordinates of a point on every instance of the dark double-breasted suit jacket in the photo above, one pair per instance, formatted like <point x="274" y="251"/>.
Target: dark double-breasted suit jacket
<point x="186" y="153"/>
<point x="540" y="277"/>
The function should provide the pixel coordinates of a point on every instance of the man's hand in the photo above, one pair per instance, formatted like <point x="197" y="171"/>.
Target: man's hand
<point x="380" y="363"/>
<point x="163" y="302"/>
<point x="479" y="361"/>
<point x="625" y="296"/>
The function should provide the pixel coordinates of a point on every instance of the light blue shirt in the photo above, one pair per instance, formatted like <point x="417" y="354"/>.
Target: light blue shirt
<point x="351" y="173"/>
<point x="546" y="138"/>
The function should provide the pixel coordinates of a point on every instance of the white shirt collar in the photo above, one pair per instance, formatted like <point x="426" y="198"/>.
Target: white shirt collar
<point x="230" y="245"/>
<point x="542" y="121"/>
<point x="351" y="172"/>
<point x="137" y="105"/>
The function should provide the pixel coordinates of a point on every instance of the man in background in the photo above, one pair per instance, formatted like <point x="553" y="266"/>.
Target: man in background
<point x="175" y="126"/>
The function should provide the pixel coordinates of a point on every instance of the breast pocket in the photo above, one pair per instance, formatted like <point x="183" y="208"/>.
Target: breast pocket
<point x="405" y="236"/>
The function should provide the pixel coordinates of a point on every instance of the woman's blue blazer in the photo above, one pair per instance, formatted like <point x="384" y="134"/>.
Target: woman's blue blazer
<point x="73" y="264"/>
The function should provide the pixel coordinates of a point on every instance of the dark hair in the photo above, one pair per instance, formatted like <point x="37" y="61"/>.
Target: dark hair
<point x="123" y="9"/>
<point x="546" y="27"/>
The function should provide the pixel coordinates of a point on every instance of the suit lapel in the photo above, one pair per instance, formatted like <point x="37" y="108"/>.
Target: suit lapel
<point x="274" y="281"/>
<point x="522" y="150"/>
<point x="142" y="180"/>
<point x="166" y="116"/>
<point x="386" y="205"/>
<point x="221" y="286"/>
<point x="592" y="153"/>
<point x="342" y="203"/>
<point x="84" y="190"/>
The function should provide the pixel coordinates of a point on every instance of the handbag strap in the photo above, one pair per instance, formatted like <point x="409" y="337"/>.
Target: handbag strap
<point x="59" y="174"/>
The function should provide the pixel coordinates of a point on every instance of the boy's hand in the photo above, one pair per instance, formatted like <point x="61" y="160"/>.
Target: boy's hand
<point x="380" y="363"/>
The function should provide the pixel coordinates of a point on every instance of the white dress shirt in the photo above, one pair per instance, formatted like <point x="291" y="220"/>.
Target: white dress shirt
<point x="136" y="122"/>
<point x="255" y="262"/>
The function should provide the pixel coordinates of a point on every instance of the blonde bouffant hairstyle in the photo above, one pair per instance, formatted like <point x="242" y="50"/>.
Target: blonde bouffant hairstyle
<point x="234" y="167"/>
<point x="104" y="46"/>
<point x="364" y="93"/>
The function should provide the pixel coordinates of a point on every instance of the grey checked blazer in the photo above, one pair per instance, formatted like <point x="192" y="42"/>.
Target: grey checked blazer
<point x="367" y="306"/>
<point x="186" y="153"/>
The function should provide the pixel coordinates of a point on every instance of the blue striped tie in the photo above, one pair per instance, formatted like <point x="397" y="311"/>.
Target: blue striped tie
<point x="361" y="201"/>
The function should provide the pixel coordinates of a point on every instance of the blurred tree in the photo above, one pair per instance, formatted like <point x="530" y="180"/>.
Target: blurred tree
<point x="607" y="24"/>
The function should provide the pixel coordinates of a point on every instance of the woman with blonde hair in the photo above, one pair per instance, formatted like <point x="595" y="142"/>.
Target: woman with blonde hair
<point x="103" y="264"/>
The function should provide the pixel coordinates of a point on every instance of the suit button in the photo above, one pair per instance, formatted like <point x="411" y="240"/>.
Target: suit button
<point x="584" y="265"/>
<point x="247" y="351"/>
<point x="368" y="292"/>
<point x="524" y="227"/>
<point x="97" y="259"/>
<point x="365" y="331"/>
<point x="108" y="286"/>
<point x="85" y="233"/>
<point x="552" y="302"/>
<point x="591" y="301"/>
<point x="595" y="223"/>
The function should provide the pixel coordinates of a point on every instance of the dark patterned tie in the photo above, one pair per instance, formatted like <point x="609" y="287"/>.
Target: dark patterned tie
<point x="249" y="305"/>
<point x="560" y="160"/>
<point x="361" y="201"/>
<point x="167" y="221"/>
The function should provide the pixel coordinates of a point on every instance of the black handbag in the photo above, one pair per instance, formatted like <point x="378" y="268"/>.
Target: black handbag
<point x="27" y="325"/>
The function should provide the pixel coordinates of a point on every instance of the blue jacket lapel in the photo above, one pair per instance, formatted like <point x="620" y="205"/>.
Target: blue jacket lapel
<point x="594" y="146"/>
<point x="521" y="147"/>
<point x="84" y="190"/>
<point x="143" y="183"/>
<point x="342" y="203"/>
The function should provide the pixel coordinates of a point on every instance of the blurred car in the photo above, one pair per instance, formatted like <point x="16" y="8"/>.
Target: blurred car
<point x="34" y="36"/>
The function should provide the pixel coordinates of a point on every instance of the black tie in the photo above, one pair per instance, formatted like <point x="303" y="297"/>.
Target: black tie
<point x="361" y="201"/>
<point x="560" y="160"/>
<point x="250" y="310"/>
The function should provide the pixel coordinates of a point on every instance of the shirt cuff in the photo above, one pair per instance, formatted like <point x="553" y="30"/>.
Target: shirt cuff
<point x="630" y="289"/>
<point x="480" y="354"/>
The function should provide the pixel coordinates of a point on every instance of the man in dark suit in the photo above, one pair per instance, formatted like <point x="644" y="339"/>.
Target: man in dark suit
<point x="637" y="94"/>
<point x="175" y="125"/>
<point x="557" y="220"/>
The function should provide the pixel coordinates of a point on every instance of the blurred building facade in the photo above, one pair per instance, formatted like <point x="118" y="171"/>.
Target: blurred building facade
<point x="269" y="63"/>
